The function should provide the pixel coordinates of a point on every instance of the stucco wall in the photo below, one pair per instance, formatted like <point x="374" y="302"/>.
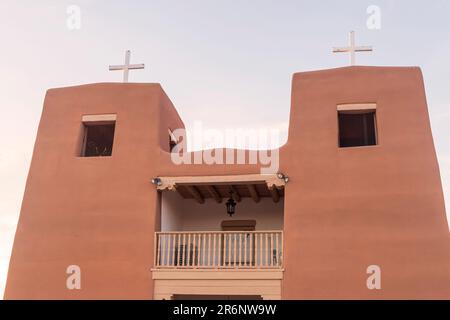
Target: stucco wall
<point x="348" y="208"/>
<point x="97" y="213"/>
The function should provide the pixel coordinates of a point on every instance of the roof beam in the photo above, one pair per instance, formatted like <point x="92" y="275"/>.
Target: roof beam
<point x="195" y="193"/>
<point x="253" y="192"/>
<point x="236" y="194"/>
<point x="214" y="193"/>
<point x="168" y="183"/>
<point x="274" y="193"/>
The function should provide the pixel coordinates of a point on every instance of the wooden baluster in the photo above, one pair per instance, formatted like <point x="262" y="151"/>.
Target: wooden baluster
<point x="260" y="249"/>
<point x="232" y="243"/>
<point x="188" y="248"/>
<point x="229" y="248"/>
<point x="236" y="245"/>
<point x="255" y="238"/>
<point x="164" y="251"/>
<point x="241" y="248"/>
<point x="282" y="248"/>
<point x="204" y="249"/>
<point x="267" y="247"/>
<point x="203" y="242"/>
<point x="161" y="254"/>
<point x="174" y="243"/>
<point x="157" y="248"/>
<point x="256" y="249"/>
<point x="245" y="249"/>
<point x="279" y="246"/>
<point x="180" y="244"/>
<point x="184" y="250"/>
<point x="234" y="251"/>
<point x="221" y="249"/>
<point x="199" y="249"/>
<point x="209" y="250"/>
<point x="239" y="235"/>
<point x="225" y="248"/>
<point x="195" y="250"/>
<point x="271" y="250"/>
<point x="172" y="250"/>
<point x="214" y="255"/>
<point x="276" y="248"/>
<point x="252" y="252"/>
<point x="166" y="246"/>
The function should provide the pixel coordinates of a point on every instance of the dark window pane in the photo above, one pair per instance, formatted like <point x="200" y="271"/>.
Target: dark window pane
<point x="99" y="140"/>
<point x="357" y="129"/>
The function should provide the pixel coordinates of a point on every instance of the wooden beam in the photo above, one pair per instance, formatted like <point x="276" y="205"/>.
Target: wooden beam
<point x="99" y="117"/>
<point x="213" y="191"/>
<point x="274" y="193"/>
<point x="356" y="106"/>
<point x="195" y="193"/>
<point x="253" y="192"/>
<point x="236" y="194"/>
<point x="167" y="183"/>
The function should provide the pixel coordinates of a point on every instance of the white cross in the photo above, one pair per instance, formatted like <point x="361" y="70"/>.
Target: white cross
<point x="127" y="66"/>
<point x="352" y="48"/>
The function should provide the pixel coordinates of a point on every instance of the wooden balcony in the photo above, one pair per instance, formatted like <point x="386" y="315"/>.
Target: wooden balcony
<point x="219" y="250"/>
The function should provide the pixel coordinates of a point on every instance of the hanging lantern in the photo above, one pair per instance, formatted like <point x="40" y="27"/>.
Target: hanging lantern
<point x="231" y="205"/>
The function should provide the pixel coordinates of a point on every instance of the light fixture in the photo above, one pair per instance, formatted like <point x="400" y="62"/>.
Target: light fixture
<point x="231" y="205"/>
<point x="283" y="177"/>
<point x="157" y="181"/>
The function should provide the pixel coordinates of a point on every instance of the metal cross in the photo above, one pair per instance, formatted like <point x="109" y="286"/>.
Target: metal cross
<point x="352" y="49"/>
<point x="127" y="66"/>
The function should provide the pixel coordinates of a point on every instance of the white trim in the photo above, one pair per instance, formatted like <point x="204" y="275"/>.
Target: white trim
<point x="193" y="274"/>
<point x="98" y="118"/>
<point x="356" y="106"/>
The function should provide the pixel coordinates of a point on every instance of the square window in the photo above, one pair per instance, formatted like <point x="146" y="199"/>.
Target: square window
<point x="98" y="139"/>
<point x="357" y="128"/>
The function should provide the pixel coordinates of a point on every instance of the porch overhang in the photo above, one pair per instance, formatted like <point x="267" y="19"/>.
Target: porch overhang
<point x="217" y="187"/>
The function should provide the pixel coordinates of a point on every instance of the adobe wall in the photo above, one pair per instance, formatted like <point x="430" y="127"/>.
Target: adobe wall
<point x="346" y="209"/>
<point x="97" y="212"/>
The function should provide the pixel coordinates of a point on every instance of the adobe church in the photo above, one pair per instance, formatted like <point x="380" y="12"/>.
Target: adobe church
<point x="354" y="211"/>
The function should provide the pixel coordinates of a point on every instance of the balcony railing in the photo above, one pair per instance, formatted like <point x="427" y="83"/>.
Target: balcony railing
<point x="221" y="249"/>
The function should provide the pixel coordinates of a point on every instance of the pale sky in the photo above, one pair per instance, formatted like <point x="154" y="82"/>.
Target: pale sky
<point x="215" y="59"/>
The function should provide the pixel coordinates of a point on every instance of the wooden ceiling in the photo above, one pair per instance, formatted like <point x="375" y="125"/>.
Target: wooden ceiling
<point x="219" y="192"/>
<point x="255" y="186"/>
